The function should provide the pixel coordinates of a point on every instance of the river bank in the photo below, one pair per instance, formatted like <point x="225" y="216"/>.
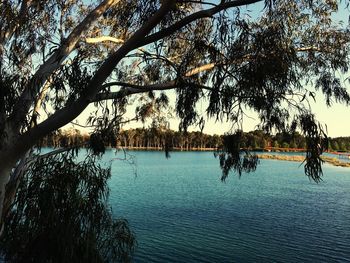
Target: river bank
<point x="276" y="156"/>
<point x="183" y="149"/>
<point x="299" y="158"/>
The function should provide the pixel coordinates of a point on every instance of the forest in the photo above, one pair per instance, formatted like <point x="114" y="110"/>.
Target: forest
<point x="160" y="138"/>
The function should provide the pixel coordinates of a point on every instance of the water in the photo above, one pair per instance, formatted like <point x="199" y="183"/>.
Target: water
<point x="180" y="211"/>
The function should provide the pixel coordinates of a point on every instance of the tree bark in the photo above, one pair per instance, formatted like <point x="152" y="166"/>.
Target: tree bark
<point x="5" y="172"/>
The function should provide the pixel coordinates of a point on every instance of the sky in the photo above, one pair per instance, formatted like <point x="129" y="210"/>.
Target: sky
<point x="336" y="118"/>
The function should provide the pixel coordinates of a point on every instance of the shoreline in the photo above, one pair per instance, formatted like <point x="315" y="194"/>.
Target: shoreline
<point x="299" y="158"/>
<point x="162" y="149"/>
<point x="291" y="158"/>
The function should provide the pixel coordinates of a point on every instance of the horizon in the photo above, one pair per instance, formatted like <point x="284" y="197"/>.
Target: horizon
<point x="332" y="118"/>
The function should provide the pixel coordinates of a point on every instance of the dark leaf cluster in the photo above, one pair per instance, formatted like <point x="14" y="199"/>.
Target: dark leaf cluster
<point x="232" y="157"/>
<point x="60" y="214"/>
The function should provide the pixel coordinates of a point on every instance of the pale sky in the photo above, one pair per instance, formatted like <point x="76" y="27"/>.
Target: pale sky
<point x="335" y="117"/>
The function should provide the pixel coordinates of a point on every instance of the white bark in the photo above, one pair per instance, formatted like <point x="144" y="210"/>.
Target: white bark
<point x="93" y="40"/>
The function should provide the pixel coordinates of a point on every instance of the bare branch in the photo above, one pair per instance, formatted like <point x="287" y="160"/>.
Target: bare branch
<point x="197" y="70"/>
<point x="129" y="89"/>
<point x="93" y="40"/>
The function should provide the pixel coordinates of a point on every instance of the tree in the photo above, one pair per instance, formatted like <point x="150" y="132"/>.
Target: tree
<point x="285" y="145"/>
<point x="276" y="144"/>
<point x="61" y="215"/>
<point x="58" y="57"/>
<point x="335" y="146"/>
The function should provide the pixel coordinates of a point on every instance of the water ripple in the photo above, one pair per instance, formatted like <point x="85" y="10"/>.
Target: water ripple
<point x="181" y="212"/>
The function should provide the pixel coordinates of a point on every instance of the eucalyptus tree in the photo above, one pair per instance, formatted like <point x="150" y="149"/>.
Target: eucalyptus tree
<point x="58" y="57"/>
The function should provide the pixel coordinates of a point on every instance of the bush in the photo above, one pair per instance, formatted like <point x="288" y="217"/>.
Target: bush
<point x="60" y="214"/>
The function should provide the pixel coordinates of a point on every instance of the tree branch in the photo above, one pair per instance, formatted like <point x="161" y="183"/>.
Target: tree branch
<point x="71" y="111"/>
<point x="93" y="40"/>
<point x="193" y="17"/>
<point x="54" y="61"/>
<point x="199" y="69"/>
<point x="129" y="89"/>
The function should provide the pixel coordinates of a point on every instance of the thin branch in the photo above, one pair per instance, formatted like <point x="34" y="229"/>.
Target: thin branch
<point x="197" y="70"/>
<point x="130" y="89"/>
<point x="82" y="126"/>
<point x="57" y="151"/>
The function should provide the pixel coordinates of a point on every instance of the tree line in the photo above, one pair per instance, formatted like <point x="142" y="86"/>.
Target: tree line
<point x="160" y="138"/>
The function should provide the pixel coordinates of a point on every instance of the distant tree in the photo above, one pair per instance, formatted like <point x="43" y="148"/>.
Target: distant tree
<point x="293" y="144"/>
<point x="285" y="145"/>
<point x="342" y="146"/>
<point x="335" y="146"/>
<point x="347" y="144"/>
<point x="59" y="57"/>
<point x="216" y="141"/>
<point x="275" y="144"/>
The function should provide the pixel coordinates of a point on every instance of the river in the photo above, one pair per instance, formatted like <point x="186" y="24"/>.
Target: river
<point x="180" y="211"/>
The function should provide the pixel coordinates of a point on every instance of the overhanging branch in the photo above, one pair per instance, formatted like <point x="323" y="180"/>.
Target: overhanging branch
<point x="130" y="89"/>
<point x="71" y="111"/>
<point x="54" y="61"/>
<point x="207" y="13"/>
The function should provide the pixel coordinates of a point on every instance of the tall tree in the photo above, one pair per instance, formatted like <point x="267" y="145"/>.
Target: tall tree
<point x="58" y="57"/>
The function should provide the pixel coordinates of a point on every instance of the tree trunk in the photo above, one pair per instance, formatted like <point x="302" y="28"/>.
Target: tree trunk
<point x="4" y="178"/>
<point x="11" y="152"/>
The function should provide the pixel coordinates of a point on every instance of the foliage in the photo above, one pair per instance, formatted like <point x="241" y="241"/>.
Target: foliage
<point x="60" y="214"/>
<point x="231" y="156"/>
<point x="58" y="58"/>
<point x="159" y="137"/>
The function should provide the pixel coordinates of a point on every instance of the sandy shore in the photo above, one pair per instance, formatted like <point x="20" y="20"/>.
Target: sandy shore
<point x="299" y="158"/>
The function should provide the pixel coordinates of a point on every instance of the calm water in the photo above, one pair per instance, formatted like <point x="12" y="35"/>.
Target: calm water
<point x="182" y="212"/>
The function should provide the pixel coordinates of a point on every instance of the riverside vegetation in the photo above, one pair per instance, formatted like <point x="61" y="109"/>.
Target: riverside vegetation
<point x="300" y="158"/>
<point x="166" y="139"/>
<point x="161" y="138"/>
